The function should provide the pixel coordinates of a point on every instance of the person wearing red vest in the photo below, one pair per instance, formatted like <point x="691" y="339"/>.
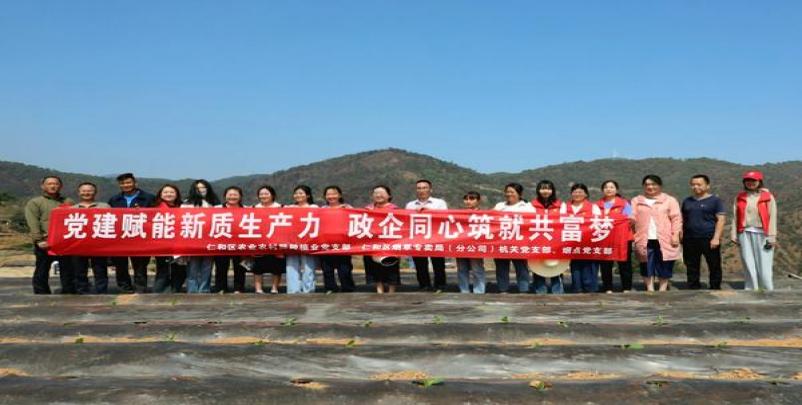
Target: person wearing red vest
<point x="584" y="273"/>
<point x="171" y="271"/>
<point x="613" y="203"/>
<point x="754" y="229"/>
<point x="546" y="202"/>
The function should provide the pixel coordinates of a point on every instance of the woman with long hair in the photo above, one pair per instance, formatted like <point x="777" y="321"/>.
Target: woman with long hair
<point x="301" y="268"/>
<point x="547" y="203"/>
<point x="199" y="268"/>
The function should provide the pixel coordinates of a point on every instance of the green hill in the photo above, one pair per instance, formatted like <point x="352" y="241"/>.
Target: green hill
<point x="398" y="169"/>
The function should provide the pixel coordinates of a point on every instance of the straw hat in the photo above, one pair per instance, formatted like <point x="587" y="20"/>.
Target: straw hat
<point x="549" y="267"/>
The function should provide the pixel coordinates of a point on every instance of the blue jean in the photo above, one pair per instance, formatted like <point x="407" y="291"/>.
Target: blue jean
<point x="503" y="274"/>
<point x="542" y="288"/>
<point x="655" y="265"/>
<point x="464" y="268"/>
<point x="301" y="274"/>
<point x="199" y="274"/>
<point x="584" y="276"/>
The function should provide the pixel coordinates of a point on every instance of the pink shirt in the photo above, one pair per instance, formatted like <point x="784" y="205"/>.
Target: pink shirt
<point x="666" y="215"/>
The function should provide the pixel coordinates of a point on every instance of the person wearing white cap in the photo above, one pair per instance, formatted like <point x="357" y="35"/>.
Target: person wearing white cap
<point x="754" y="230"/>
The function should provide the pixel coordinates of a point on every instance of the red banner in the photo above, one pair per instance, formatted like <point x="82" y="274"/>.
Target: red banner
<point x="259" y="231"/>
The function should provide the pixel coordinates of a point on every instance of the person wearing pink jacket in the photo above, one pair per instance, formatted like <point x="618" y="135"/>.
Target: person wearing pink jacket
<point x="658" y="224"/>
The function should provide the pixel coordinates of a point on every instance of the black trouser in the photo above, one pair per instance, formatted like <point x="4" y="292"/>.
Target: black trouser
<point x="692" y="251"/>
<point x="624" y="271"/>
<point x="221" y="265"/>
<point x="390" y="275"/>
<point x="170" y="275"/>
<point x="100" y="271"/>
<point x="140" y="265"/>
<point x="370" y="277"/>
<point x="41" y="273"/>
<point x="344" y="269"/>
<point x="422" y="268"/>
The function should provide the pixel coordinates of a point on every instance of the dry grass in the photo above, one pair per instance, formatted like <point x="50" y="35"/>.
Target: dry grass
<point x="405" y="375"/>
<point x="737" y="374"/>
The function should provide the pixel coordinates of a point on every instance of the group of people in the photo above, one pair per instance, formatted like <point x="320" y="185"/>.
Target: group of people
<point x="660" y="227"/>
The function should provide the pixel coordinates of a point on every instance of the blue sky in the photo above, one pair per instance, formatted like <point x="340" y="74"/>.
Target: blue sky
<point x="213" y="89"/>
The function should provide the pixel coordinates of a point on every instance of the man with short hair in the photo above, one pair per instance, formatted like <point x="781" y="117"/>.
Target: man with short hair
<point x="703" y="218"/>
<point x="425" y="201"/>
<point x="131" y="197"/>
<point x="37" y="215"/>
<point x="87" y="191"/>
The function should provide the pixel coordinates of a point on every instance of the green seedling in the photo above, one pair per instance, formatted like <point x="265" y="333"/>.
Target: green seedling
<point x="505" y="319"/>
<point x="367" y="324"/>
<point x="632" y="346"/>
<point x="564" y="324"/>
<point x="720" y="345"/>
<point x="428" y="382"/>
<point x="437" y="320"/>
<point x="170" y="337"/>
<point x="540" y="385"/>
<point x="351" y="343"/>
<point x="79" y="339"/>
<point x="259" y="342"/>
<point x="777" y="382"/>
<point x="291" y="321"/>
<point x="174" y="301"/>
<point x="657" y="383"/>
<point x="534" y="345"/>
<point x="659" y="321"/>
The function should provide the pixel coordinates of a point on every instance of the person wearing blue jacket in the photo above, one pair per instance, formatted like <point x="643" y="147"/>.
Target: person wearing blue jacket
<point x="131" y="196"/>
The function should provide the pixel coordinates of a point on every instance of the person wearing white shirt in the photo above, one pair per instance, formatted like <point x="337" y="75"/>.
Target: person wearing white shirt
<point x="513" y="202"/>
<point x="301" y="268"/>
<point x="425" y="201"/>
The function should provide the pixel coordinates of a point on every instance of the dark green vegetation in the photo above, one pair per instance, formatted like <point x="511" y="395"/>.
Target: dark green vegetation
<point x="358" y="173"/>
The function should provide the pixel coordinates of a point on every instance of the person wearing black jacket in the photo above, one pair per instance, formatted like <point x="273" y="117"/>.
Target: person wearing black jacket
<point x="131" y="197"/>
